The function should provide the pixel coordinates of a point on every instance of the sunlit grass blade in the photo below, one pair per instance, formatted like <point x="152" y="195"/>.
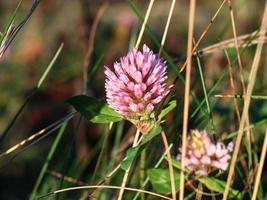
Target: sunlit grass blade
<point x="203" y="83"/>
<point x="216" y="84"/>
<point x="49" y="67"/>
<point x="35" y="137"/>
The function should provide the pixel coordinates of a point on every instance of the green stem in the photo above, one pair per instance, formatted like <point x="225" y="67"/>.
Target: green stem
<point x="142" y="172"/>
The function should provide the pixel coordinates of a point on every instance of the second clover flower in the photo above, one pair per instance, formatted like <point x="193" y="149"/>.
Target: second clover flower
<point x="203" y="155"/>
<point x="136" y="86"/>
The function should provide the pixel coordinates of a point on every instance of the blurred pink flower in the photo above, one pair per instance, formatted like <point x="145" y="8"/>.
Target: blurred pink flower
<point x="137" y="85"/>
<point x="203" y="155"/>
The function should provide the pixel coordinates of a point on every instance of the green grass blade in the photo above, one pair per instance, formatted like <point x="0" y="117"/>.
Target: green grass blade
<point x="252" y="126"/>
<point x="51" y="64"/>
<point x="48" y="159"/>
<point x="203" y="83"/>
<point x="10" y="21"/>
<point x="29" y="97"/>
<point x="14" y="119"/>
<point x="209" y="93"/>
<point x="95" y="67"/>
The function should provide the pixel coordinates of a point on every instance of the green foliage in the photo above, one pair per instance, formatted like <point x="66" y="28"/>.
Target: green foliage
<point x="176" y="164"/>
<point x="130" y="156"/>
<point x="93" y="110"/>
<point x="170" y="106"/>
<point x="153" y="133"/>
<point x="160" y="180"/>
<point x="132" y="152"/>
<point x="218" y="186"/>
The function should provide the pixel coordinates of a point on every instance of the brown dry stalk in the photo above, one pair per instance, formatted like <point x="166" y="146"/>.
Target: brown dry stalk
<point x="144" y="23"/>
<point x="65" y="178"/>
<point x="106" y="187"/>
<point x="199" y="192"/>
<point x="37" y="135"/>
<point x="239" y="96"/>
<point x="241" y="73"/>
<point x="169" y="159"/>
<point x="232" y="85"/>
<point x="125" y="177"/>
<point x="242" y="40"/>
<point x="260" y="168"/>
<point x="91" y="41"/>
<point x="203" y="35"/>
<point x="6" y="38"/>
<point x="167" y="26"/>
<point x="192" y="12"/>
<point x="244" y="117"/>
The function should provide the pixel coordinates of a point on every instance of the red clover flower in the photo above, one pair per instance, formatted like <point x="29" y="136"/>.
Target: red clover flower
<point x="203" y="155"/>
<point x="136" y="86"/>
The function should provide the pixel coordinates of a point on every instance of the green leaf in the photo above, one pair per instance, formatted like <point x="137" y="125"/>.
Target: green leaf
<point x="93" y="110"/>
<point x="132" y="152"/>
<point x="153" y="133"/>
<point x="160" y="180"/>
<point x="218" y="186"/>
<point x="171" y="105"/>
<point x="130" y="156"/>
<point x="175" y="163"/>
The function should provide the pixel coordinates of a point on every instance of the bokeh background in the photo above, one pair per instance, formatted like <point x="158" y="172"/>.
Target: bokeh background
<point x="70" y="22"/>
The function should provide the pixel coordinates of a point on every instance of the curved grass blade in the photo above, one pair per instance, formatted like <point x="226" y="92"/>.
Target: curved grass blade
<point x="31" y="95"/>
<point x="16" y="29"/>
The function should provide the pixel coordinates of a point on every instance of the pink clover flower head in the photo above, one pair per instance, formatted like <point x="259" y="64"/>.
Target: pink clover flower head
<point x="136" y="86"/>
<point x="203" y="155"/>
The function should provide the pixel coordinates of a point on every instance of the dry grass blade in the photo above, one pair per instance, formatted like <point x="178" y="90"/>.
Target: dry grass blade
<point x="203" y="35"/>
<point x="169" y="158"/>
<point x="241" y="74"/>
<point x="240" y="65"/>
<point x="239" y="96"/>
<point x="36" y="135"/>
<point x="5" y="40"/>
<point x="65" y="178"/>
<point x="244" y="117"/>
<point x="167" y="26"/>
<point x="144" y="23"/>
<point x="88" y="54"/>
<point x="253" y="38"/>
<point x="187" y="91"/>
<point x="232" y="84"/>
<point x="260" y="168"/>
<point x="125" y="177"/>
<point x="104" y="187"/>
<point x="15" y="29"/>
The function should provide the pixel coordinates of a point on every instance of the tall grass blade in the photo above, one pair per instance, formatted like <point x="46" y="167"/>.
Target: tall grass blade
<point x="48" y="159"/>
